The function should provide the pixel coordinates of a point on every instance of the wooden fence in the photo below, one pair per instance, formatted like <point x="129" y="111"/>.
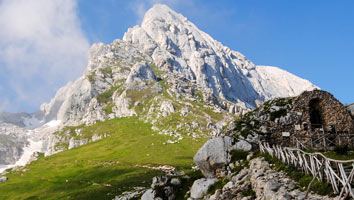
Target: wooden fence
<point x="339" y="173"/>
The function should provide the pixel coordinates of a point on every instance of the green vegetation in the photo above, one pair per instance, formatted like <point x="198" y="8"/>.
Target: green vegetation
<point x="302" y="178"/>
<point x="238" y="155"/>
<point x="106" y="96"/>
<point x="280" y="102"/>
<point x="250" y="192"/>
<point x="199" y="95"/>
<point x="218" y="185"/>
<point x="91" y="77"/>
<point x="106" y="71"/>
<point x="277" y="114"/>
<point x="181" y="189"/>
<point x="158" y="73"/>
<point x="245" y="125"/>
<point x="101" y="169"/>
<point x="109" y="108"/>
<point x="341" y="149"/>
<point x="340" y="153"/>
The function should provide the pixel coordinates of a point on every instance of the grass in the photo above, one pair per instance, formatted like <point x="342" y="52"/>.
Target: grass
<point x="101" y="169"/>
<point x="158" y="73"/>
<point x="106" y="96"/>
<point x="339" y="156"/>
<point x="91" y="77"/>
<point x="238" y="155"/>
<point x="139" y="95"/>
<point x="106" y="71"/>
<point x="217" y="186"/>
<point x="109" y="108"/>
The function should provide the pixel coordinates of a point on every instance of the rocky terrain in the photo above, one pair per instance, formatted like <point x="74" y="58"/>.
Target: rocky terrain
<point x="23" y="120"/>
<point x="12" y="141"/>
<point x="251" y="178"/>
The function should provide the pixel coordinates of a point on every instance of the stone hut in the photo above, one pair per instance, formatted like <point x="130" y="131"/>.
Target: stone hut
<point x="319" y="121"/>
<point x="314" y="119"/>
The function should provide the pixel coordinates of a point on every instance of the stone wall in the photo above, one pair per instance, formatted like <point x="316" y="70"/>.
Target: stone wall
<point x="313" y="115"/>
<point x="331" y="110"/>
<point x="314" y="118"/>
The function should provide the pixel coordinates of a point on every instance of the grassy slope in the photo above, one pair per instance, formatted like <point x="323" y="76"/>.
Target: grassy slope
<point x="102" y="169"/>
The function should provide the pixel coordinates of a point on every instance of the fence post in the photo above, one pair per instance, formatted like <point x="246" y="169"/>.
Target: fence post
<point x="313" y="179"/>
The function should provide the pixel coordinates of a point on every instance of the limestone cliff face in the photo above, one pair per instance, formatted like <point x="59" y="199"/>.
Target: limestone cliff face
<point x="176" y="46"/>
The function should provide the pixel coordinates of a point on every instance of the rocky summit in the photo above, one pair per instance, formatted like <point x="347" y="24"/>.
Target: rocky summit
<point x="165" y="73"/>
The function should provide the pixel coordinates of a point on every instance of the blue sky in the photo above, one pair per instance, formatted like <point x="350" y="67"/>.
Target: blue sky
<point x="312" y="39"/>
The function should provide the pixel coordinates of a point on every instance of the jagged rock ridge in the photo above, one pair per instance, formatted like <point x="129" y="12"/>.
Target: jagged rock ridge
<point x="176" y="46"/>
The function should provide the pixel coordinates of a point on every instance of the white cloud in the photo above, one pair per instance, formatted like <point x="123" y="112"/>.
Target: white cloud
<point x="42" y="46"/>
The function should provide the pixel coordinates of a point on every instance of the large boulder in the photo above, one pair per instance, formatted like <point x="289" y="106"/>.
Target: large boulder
<point x="3" y="179"/>
<point x="149" y="195"/>
<point x="140" y="73"/>
<point x="214" y="155"/>
<point x="201" y="186"/>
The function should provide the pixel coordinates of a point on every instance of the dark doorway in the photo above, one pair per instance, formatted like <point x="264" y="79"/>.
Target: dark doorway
<point x="315" y="113"/>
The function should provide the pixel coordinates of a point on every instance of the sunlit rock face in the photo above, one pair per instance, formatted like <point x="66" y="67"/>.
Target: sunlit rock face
<point x="177" y="45"/>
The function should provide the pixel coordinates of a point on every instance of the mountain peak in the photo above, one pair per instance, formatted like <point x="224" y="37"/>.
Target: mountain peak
<point x="162" y="13"/>
<point x="184" y="55"/>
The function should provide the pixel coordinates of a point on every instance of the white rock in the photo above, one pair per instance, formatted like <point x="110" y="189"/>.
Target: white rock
<point x="243" y="145"/>
<point x="139" y="73"/>
<point x="149" y="195"/>
<point x="213" y="155"/>
<point x="122" y="106"/>
<point x="167" y="108"/>
<point x="3" y="179"/>
<point x="200" y="187"/>
<point x="175" y="181"/>
<point x="181" y="47"/>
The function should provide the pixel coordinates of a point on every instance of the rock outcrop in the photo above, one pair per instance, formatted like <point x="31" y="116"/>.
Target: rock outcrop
<point x="215" y="155"/>
<point x="3" y="179"/>
<point x="12" y="142"/>
<point x="255" y="180"/>
<point x="23" y="120"/>
<point x="177" y="47"/>
<point x="259" y="181"/>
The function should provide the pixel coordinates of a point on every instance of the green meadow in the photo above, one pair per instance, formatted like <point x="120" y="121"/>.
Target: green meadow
<point x="101" y="169"/>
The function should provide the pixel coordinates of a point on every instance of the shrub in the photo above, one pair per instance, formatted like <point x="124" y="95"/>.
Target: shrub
<point x="341" y="149"/>
<point x="238" y="155"/>
<point x="249" y="192"/>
